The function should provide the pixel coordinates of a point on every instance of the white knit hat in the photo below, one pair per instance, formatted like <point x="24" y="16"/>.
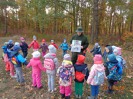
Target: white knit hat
<point x="36" y="54"/>
<point x="52" y="49"/>
<point x="17" y="44"/>
<point x="67" y="57"/>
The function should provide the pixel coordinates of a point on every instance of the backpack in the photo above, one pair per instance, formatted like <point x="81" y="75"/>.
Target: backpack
<point x="14" y="60"/>
<point x="65" y="73"/>
<point x="79" y="76"/>
<point x="99" y="78"/>
<point x="124" y="63"/>
<point x="49" y="64"/>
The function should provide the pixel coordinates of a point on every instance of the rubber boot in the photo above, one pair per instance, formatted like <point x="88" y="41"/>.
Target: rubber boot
<point x="67" y="97"/>
<point x="62" y="96"/>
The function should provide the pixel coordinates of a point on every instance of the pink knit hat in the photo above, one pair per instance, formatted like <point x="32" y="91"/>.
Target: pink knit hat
<point x="22" y="38"/>
<point x="98" y="59"/>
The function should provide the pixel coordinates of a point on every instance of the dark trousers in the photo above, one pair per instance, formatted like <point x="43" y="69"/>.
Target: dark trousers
<point x="25" y="54"/>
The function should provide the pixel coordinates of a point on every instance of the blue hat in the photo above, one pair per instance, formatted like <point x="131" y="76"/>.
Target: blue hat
<point x="16" y="48"/>
<point x="112" y="58"/>
<point x="10" y="41"/>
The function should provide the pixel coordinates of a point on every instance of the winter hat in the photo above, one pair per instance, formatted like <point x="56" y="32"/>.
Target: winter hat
<point x="16" y="48"/>
<point x="110" y="49"/>
<point x="97" y="59"/>
<point x="22" y="38"/>
<point x="10" y="41"/>
<point x="43" y="40"/>
<point x="79" y="29"/>
<point x="17" y="44"/>
<point x="119" y="50"/>
<point x="5" y="43"/>
<point x="67" y="57"/>
<point x="52" y="49"/>
<point x="80" y="59"/>
<point x="96" y="45"/>
<point x="114" y="47"/>
<point x="112" y="58"/>
<point x="52" y="41"/>
<point x="36" y="54"/>
<point x="64" y="41"/>
<point x="34" y="37"/>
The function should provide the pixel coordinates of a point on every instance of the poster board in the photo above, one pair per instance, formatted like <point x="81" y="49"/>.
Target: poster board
<point x="76" y="46"/>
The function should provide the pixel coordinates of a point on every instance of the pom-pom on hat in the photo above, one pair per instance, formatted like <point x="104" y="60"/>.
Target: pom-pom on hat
<point x="36" y="54"/>
<point x="67" y="57"/>
<point x="97" y="59"/>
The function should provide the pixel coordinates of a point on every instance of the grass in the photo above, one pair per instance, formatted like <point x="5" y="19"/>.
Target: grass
<point x="10" y="89"/>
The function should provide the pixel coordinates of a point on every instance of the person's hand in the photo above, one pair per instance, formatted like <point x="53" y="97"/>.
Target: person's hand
<point x="81" y="47"/>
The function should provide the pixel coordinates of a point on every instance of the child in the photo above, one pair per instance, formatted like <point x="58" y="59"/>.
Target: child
<point x="96" y="76"/>
<point x="44" y="47"/>
<point x="34" y="44"/>
<point x="37" y="67"/>
<point x="64" y="46"/>
<point x="96" y="49"/>
<point x="5" y="57"/>
<point x="53" y="43"/>
<point x="51" y="64"/>
<point x="18" y="60"/>
<point x="120" y="59"/>
<point x="10" y="46"/>
<point x="65" y="73"/>
<point x="108" y="51"/>
<point x="24" y="47"/>
<point x="114" y="71"/>
<point x="81" y="71"/>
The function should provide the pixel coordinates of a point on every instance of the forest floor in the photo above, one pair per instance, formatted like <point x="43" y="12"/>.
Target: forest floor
<point x="10" y="89"/>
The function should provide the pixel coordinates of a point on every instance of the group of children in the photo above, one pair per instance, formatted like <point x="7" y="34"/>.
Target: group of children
<point x="108" y="65"/>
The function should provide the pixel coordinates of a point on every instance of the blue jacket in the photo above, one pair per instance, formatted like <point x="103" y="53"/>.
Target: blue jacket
<point x="64" y="46"/>
<point x="96" y="51"/>
<point x="81" y="68"/>
<point x="113" y="67"/>
<point x="4" y="49"/>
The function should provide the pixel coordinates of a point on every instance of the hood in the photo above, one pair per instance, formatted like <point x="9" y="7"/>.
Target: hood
<point x="110" y="49"/>
<point x="99" y="67"/>
<point x="96" y="45"/>
<point x="67" y="63"/>
<point x="80" y="59"/>
<point x="10" y="41"/>
<point x="112" y="58"/>
<point x="50" y="55"/>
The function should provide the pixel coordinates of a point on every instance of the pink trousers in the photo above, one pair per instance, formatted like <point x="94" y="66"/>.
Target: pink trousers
<point x="36" y="80"/>
<point x="65" y="90"/>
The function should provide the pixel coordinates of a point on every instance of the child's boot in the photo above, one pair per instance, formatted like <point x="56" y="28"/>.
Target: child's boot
<point x="91" y="97"/>
<point x="62" y="96"/>
<point x="67" y="97"/>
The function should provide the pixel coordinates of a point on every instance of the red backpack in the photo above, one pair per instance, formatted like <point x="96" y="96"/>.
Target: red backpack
<point x="79" y="76"/>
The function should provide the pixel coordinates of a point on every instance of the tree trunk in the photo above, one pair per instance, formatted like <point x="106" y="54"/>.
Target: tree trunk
<point x="6" y="27"/>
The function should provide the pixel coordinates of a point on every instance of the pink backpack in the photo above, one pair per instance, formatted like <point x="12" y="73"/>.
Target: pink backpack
<point x="49" y="64"/>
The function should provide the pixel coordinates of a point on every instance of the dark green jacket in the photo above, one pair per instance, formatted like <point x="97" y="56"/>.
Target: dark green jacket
<point x="83" y="39"/>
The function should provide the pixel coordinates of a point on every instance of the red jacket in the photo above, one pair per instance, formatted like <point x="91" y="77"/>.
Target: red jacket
<point x="34" y="44"/>
<point x="54" y="45"/>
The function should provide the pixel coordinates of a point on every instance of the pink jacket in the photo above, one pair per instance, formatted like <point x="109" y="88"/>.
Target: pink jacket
<point x="34" y="44"/>
<point x="36" y="65"/>
<point x="94" y="69"/>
